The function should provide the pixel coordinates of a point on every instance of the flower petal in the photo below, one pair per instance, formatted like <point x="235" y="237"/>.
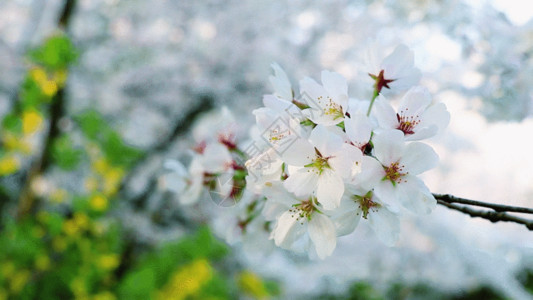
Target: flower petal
<point x="330" y="189"/>
<point x="385" y="224"/>
<point x="384" y="113"/>
<point x="281" y="83"/>
<point x="322" y="233"/>
<point x="358" y="128"/>
<point x="388" y="146"/>
<point x="299" y="153"/>
<point x="301" y="183"/>
<point x="325" y="141"/>
<point x="415" y="101"/>
<point x="415" y="196"/>
<point x="287" y="231"/>
<point x="419" y="158"/>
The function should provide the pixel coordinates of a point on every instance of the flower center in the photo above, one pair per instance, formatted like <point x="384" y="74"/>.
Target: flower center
<point x="331" y="108"/>
<point x="407" y="123"/>
<point x="277" y="135"/>
<point x="394" y="173"/>
<point x="303" y="210"/>
<point x="366" y="204"/>
<point x="319" y="163"/>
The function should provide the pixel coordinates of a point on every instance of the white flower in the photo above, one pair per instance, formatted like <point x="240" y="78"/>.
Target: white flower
<point x="396" y="71"/>
<point x="218" y="125"/>
<point x="360" y="203"/>
<point x="263" y="169"/>
<point x="321" y="163"/>
<point x="327" y="103"/>
<point x="301" y="226"/>
<point x="281" y="83"/>
<point x="218" y="165"/>
<point x="358" y="128"/>
<point x="393" y="174"/>
<point x="186" y="184"/>
<point x="417" y="118"/>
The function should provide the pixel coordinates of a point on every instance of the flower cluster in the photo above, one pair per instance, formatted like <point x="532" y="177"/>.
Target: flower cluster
<point x="322" y="161"/>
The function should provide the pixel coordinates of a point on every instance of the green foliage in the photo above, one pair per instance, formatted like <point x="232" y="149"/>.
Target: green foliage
<point x="12" y="123"/>
<point x="95" y="128"/>
<point x="65" y="155"/>
<point x="155" y="269"/>
<point x="57" y="52"/>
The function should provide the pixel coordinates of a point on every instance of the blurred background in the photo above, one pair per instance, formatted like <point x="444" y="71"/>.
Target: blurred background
<point x="96" y="94"/>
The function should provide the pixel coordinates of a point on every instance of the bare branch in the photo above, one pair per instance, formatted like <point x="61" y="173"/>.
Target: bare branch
<point x="492" y="216"/>
<point x="496" y="207"/>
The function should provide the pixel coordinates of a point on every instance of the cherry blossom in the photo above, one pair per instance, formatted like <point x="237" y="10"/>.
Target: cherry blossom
<point x="327" y="102"/>
<point x="396" y="71"/>
<point x="320" y="165"/>
<point x="393" y="173"/>
<point x="417" y="117"/>
<point x="301" y="226"/>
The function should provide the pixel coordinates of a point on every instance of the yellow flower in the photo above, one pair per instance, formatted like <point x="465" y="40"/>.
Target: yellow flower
<point x="38" y="75"/>
<point x="106" y="295"/>
<point x="8" y="165"/>
<point x="98" y="203"/>
<point x="70" y="227"/>
<point x="59" y="244"/>
<point x="3" y="294"/>
<point x="7" y="269"/>
<point x="31" y="121"/>
<point x="78" y="287"/>
<point x="42" y="262"/>
<point x="188" y="281"/>
<point x="251" y="284"/>
<point x="81" y="220"/>
<point x="109" y="262"/>
<point x="49" y="88"/>
<point x="19" y="281"/>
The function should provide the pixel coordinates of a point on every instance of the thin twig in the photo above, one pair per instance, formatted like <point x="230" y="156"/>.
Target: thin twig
<point x="497" y="207"/>
<point x="492" y="216"/>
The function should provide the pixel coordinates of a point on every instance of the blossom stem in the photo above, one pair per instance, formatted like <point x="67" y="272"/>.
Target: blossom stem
<point x="374" y="96"/>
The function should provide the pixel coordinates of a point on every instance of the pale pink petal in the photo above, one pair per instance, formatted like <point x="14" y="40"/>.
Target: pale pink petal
<point x="415" y="196"/>
<point x="322" y="233"/>
<point x="415" y="101"/>
<point x="406" y="79"/>
<point x="330" y="189"/>
<point x="281" y="83"/>
<point x="372" y="173"/>
<point x="418" y="158"/>
<point x="299" y="153"/>
<point x="388" y="194"/>
<point x="347" y="161"/>
<point x="436" y="114"/>
<point x="325" y="141"/>
<point x="216" y="158"/>
<point x="358" y="128"/>
<point x="384" y="113"/>
<point x="422" y="133"/>
<point x="385" y="224"/>
<point x="347" y="218"/>
<point x="388" y="146"/>
<point x="301" y="183"/>
<point x="336" y="86"/>
<point x="288" y="229"/>
<point x="400" y="59"/>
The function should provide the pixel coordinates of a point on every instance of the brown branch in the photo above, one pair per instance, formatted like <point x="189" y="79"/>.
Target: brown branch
<point x="496" y="207"/>
<point x="57" y="110"/>
<point x="493" y="216"/>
